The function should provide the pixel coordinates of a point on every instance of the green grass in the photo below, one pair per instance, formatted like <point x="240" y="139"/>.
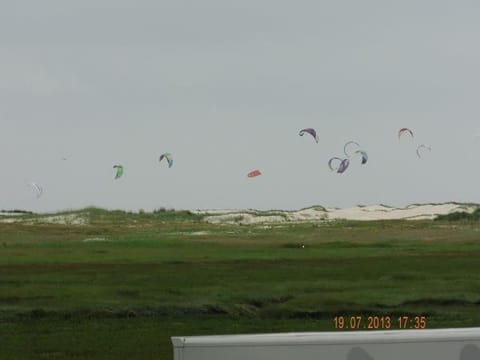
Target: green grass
<point x="148" y="276"/>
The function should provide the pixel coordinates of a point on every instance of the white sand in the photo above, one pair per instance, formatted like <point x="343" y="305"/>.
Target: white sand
<point x="69" y="219"/>
<point x="411" y="212"/>
<point x="199" y="233"/>
<point x="95" y="239"/>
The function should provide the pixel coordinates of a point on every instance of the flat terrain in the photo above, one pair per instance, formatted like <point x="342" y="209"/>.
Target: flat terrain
<point x="119" y="285"/>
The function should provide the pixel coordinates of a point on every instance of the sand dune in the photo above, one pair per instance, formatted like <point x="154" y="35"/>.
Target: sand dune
<point x="251" y="216"/>
<point x="320" y="214"/>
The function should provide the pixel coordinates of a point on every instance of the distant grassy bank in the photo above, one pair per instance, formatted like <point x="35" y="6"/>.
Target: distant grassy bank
<point x="122" y="283"/>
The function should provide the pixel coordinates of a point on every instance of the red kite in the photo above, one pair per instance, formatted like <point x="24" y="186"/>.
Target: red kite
<point x="254" y="173"/>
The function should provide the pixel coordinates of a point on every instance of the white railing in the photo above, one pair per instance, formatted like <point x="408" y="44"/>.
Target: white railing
<point x="439" y="344"/>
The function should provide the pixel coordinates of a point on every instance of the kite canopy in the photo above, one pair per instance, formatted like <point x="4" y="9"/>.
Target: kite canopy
<point x="403" y="131"/>
<point x="168" y="157"/>
<point x="309" y="131"/>
<point x="364" y="156"/>
<point x="331" y="161"/>
<point x="422" y="148"/>
<point x="119" y="171"/>
<point x="349" y="144"/>
<point x="37" y="189"/>
<point x="343" y="166"/>
<point x="254" y="173"/>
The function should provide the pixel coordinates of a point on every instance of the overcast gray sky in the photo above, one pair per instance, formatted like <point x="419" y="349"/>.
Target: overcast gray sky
<point x="226" y="86"/>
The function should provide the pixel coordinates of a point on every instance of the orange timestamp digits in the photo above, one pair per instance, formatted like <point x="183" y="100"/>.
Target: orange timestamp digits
<point x="412" y="322"/>
<point x="383" y="322"/>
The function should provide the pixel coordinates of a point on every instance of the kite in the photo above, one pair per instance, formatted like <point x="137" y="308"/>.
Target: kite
<point x="419" y="150"/>
<point x="254" y="173"/>
<point x="119" y="171"/>
<point x="168" y="157"/>
<point x="345" y="147"/>
<point x="404" y="131"/>
<point x="37" y="189"/>
<point x="341" y="167"/>
<point x="330" y="163"/>
<point x="310" y="131"/>
<point x="364" y="156"/>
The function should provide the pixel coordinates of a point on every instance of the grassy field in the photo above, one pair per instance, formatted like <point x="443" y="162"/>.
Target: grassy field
<point x="120" y="285"/>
